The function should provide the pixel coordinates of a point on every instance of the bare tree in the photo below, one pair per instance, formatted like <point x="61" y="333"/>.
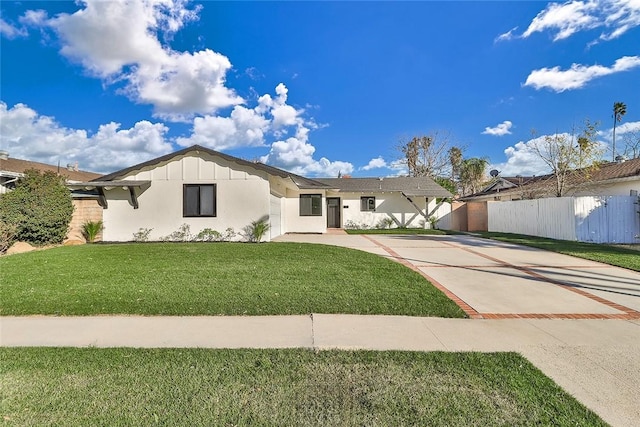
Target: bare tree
<point x="619" y="110"/>
<point x="568" y="156"/>
<point x="428" y="155"/>
<point x="632" y="144"/>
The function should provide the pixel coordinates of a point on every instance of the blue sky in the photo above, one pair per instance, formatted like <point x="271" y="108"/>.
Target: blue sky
<point x="313" y="87"/>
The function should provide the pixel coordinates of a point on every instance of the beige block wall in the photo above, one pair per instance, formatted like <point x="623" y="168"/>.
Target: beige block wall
<point x="459" y="216"/>
<point x="84" y="210"/>
<point x="477" y="218"/>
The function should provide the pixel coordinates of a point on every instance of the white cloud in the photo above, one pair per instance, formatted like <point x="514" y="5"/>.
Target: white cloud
<point x="118" y="41"/>
<point x="565" y="19"/>
<point x="11" y="31"/>
<point x="27" y="135"/>
<point x="296" y="155"/>
<point x="253" y="73"/>
<point x="627" y="127"/>
<point x="578" y="75"/>
<point x="621" y="129"/>
<point x="243" y="128"/>
<point x="521" y="160"/>
<point x="376" y="163"/>
<point x="34" y="18"/>
<point x="615" y="17"/>
<point x="500" y="130"/>
<point x="506" y="36"/>
<point x="400" y="167"/>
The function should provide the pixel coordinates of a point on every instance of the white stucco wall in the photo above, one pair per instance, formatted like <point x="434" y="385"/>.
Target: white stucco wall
<point x="294" y="223"/>
<point x="621" y="188"/>
<point x="242" y="196"/>
<point x="388" y="205"/>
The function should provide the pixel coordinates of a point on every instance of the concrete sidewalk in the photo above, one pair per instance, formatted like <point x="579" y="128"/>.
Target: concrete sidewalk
<point x="597" y="361"/>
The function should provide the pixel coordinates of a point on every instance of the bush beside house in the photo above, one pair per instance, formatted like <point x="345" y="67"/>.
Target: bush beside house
<point x="39" y="209"/>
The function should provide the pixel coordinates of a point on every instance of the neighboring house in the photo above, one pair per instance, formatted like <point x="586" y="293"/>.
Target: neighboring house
<point x="608" y="179"/>
<point x="497" y="185"/>
<point x="207" y="189"/>
<point x="11" y="170"/>
<point x="85" y="205"/>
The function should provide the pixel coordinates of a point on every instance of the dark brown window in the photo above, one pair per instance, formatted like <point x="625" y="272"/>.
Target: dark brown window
<point x="367" y="204"/>
<point x="199" y="200"/>
<point x="311" y="205"/>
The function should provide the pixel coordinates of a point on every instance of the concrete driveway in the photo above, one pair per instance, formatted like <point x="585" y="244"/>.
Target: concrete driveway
<point x="578" y="321"/>
<point x="496" y="280"/>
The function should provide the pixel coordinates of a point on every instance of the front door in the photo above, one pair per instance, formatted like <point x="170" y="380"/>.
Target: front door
<point x="333" y="212"/>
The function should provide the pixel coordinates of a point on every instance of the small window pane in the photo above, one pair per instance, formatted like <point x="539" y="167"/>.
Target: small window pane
<point x="191" y="194"/>
<point x="207" y="200"/>
<point x="316" y="205"/>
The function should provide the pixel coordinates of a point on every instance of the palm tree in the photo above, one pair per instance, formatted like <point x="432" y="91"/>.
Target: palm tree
<point x="455" y="158"/>
<point x="472" y="174"/>
<point x="619" y="110"/>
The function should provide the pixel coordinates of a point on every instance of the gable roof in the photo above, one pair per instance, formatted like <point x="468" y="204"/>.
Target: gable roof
<point x="300" y="181"/>
<point x="501" y="184"/>
<point x="410" y="186"/>
<point x="16" y="167"/>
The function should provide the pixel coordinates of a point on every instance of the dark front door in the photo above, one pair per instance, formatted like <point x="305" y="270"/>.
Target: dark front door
<point x="333" y="212"/>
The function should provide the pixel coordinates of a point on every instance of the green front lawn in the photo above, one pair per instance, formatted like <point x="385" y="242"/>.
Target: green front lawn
<point x="197" y="387"/>
<point x="214" y="279"/>
<point x="613" y="255"/>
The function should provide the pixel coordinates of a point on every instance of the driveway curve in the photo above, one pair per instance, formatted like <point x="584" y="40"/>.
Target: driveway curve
<point x="496" y="280"/>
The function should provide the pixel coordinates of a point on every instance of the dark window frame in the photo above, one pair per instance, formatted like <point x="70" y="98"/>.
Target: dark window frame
<point x="311" y="212"/>
<point x="365" y="203"/>
<point x="199" y="208"/>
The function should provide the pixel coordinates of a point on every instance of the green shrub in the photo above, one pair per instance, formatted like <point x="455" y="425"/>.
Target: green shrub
<point x="40" y="208"/>
<point x="433" y="222"/>
<point x="208" y="235"/>
<point x="256" y="230"/>
<point x="385" y="222"/>
<point x="182" y="234"/>
<point x="142" y="235"/>
<point x="7" y="236"/>
<point x="91" y="229"/>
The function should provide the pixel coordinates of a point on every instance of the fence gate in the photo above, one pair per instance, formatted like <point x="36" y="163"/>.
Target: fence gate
<point x="607" y="219"/>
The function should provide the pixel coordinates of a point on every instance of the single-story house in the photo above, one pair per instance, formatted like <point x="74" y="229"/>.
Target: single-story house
<point x="620" y="178"/>
<point x="206" y="189"/>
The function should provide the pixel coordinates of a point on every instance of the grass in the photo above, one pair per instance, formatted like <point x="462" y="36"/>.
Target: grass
<point x="608" y="254"/>
<point x="432" y="232"/>
<point x="197" y="387"/>
<point x="214" y="279"/>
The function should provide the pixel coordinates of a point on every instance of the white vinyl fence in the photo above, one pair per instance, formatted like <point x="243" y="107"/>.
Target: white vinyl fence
<point x="442" y="212"/>
<point x="596" y="219"/>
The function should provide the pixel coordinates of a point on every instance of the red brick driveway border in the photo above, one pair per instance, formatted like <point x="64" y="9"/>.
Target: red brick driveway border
<point x="627" y="313"/>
